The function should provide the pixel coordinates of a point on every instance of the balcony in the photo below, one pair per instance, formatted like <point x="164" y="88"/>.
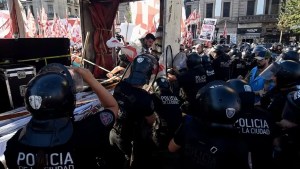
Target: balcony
<point x="228" y="19"/>
<point x="258" y="19"/>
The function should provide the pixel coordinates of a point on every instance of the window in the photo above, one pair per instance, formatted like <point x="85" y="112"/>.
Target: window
<point x="275" y="7"/>
<point x="209" y="10"/>
<point x="50" y="9"/>
<point x="69" y="11"/>
<point x="226" y="9"/>
<point x="267" y="7"/>
<point x="76" y="12"/>
<point x="250" y="7"/>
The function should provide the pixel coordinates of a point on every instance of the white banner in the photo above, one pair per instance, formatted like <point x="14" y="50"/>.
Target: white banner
<point x="208" y="29"/>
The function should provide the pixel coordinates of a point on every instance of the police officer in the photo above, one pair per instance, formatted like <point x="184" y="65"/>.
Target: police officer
<point x="286" y="74"/>
<point x="221" y="63"/>
<point x="208" y="139"/>
<point x="255" y="125"/>
<point x="167" y="108"/>
<point x="191" y="80"/>
<point x="169" y="117"/>
<point x="131" y="132"/>
<point x="238" y="66"/>
<point x="290" y="55"/>
<point x="248" y="58"/>
<point x="288" y="150"/>
<point x="52" y="139"/>
<point x="207" y="65"/>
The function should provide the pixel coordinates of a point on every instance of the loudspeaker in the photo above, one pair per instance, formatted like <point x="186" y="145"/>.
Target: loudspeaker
<point x="37" y="52"/>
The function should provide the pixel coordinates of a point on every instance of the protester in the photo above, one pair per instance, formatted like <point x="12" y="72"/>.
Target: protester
<point x="143" y="45"/>
<point x="259" y="85"/>
<point x="52" y="139"/>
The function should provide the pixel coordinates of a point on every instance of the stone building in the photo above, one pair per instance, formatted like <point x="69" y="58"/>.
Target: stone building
<point x="60" y="7"/>
<point x="246" y="20"/>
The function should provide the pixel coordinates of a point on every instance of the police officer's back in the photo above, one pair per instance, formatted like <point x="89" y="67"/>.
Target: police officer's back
<point x="208" y="140"/>
<point x="52" y="138"/>
<point x="238" y="66"/>
<point x="167" y="108"/>
<point x="221" y="64"/>
<point x="255" y="125"/>
<point x="193" y="79"/>
<point x="130" y="133"/>
<point x="288" y="150"/>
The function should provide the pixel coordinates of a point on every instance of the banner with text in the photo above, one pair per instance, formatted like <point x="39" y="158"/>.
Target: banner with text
<point x="208" y="29"/>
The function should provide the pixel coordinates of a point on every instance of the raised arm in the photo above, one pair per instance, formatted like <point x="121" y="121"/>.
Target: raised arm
<point x="106" y="98"/>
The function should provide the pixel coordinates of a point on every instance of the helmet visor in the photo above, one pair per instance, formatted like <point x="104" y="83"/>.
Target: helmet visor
<point x="270" y="71"/>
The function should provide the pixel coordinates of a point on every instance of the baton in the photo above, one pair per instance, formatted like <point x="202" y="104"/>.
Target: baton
<point x="93" y="64"/>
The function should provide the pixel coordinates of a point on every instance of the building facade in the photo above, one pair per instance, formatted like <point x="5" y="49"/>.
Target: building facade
<point x="59" y="7"/>
<point x="246" y="20"/>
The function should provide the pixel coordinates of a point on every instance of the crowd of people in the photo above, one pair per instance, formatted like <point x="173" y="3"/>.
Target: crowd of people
<point x="217" y="106"/>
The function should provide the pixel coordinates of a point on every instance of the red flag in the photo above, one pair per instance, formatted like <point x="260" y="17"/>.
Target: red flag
<point x="193" y="18"/>
<point x="130" y="52"/>
<point x="225" y="30"/>
<point x="30" y="24"/>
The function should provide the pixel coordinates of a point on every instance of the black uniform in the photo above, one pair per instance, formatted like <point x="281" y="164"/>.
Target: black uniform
<point x="256" y="127"/>
<point x="167" y="107"/>
<point x="190" y="82"/>
<point x="131" y="130"/>
<point x="221" y="66"/>
<point x="210" y="148"/>
<point x="88" y="146"/>
<point x="238" y="67"/>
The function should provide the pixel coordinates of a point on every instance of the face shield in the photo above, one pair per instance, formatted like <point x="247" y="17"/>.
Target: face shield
<point x="270" y="71"/>
<point x="142" y="71"/>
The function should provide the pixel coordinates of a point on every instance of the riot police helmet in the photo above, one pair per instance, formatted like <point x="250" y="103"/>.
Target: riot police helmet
<point x="244" y="90"/>
<point x="219" y="49"/>
<point x="287" y="73"/>
<point x="141" y="69"/>
<point x="50" y="95"/>
<point x="290" y="55"/>
<point x="291" y="109"/>
<point x="219" y="104"/>
<point x="161" y="83"/>
<point x="235" y="54"/>
<point x="50" y="98"/>
<point x="193" y="61"/>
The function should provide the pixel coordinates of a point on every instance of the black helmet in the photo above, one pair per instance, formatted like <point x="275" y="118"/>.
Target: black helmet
<point x="247" y="54"/>
<point x="218" y="49"/>
<point x="141" y="69"/>
<point x="193" y="60"/>
<point x="290" y="55"/>
<point x="205" y="59"/>
<point x="244" y="90"/>
<point x="161" y="83"/>
<point x="291" y="109"/>
<point x="50" y="96"/>
<point x="287" y="73"/>
<point x="235" y="54"/>
<point x="218" y="104"/>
